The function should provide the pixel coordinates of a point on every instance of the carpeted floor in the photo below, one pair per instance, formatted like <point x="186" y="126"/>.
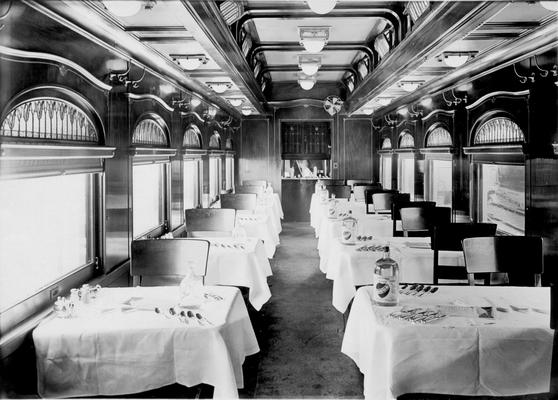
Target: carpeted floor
<point x="299" y="331"/>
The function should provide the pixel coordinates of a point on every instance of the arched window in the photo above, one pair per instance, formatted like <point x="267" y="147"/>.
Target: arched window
<point x="229" y="144"/>
<point x="386" y="144"/>
<point x="438" y="137"/>
<point x="49" y="118"/>
<point x="215" y="141"/>
<point x="498" y="130"/>
<point x="406" y="140"/>
<point x="150" y="132"/>
<point x="192" y="137"/>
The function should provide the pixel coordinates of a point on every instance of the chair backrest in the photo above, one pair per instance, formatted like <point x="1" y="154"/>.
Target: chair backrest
<point x="340" y="191"/>
<point x="421" y="220"/>
<point x="449" y="237"/>
<point x="239" y="201"/>
<point x="353" y="182"/>
<point x="383" y="201"/>
<point x="256" y="189"/>
<point x="255" y="182"/>
<point x="521" y="257"/>
<point x="164" y="261"/>
<point x="210" y="221"/>
<point x="359" y="191"/>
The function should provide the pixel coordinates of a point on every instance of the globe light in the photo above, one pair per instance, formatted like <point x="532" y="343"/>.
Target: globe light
<point x="368" y="111"/>
<point x="456" y="60"/>
<point x="306" y="83"/>
<point x="550" y="5"/>
<point x="123" y="8"/>
<point x="314" y="45"/>
<point x="321" y="6"/>
<point x="409" y="86"/>
<point x="403" y="111"/>
<point x="427" y="102"/>
<point x="235" y="101"/>
<point x="246" y="111"/>
<point x="384" y="101"/>
<point x="309" y="68"/>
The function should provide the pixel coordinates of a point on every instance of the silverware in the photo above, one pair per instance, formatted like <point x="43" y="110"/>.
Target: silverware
<point x="418" y="289"/>
<point x="434" y="290"/>
<point x="191" y="315"/>
<point x="202" y="318"/>
<point x="411" y="288"/>
<point x="426" y="290"/>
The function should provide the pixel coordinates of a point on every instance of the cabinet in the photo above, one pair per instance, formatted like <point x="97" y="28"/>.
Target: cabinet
<point x="309" y="140"/>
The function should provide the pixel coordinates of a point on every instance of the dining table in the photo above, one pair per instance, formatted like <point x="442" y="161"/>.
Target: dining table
<point x="241" y="263"/>
<point x="260" y="227"/>
<point x="133" y="339"/>
<point x="460" y="340"/>
<point x="351" y="266"/>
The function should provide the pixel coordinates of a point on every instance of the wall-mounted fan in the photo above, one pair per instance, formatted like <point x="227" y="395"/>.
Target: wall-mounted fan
<point x="333" y="104"/>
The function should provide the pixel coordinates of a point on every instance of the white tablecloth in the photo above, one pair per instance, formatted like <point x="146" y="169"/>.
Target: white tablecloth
<point x="368" y="224"/>
<point x="319" y="210"/>
<point x="260" y="227"/>
<point x="114" y="352"/>
<point x="267" y="208"/>
<point x="505" y="356"/>
<point x="348" y="267"/>
<point x="248" y="267"/>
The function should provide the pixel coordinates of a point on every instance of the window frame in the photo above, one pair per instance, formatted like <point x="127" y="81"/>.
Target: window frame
<point x="199" y="160"/>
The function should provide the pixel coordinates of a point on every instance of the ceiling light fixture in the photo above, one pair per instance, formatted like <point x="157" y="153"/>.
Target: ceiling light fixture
<point x="368" y="110"/>
<point x="194" y="102"/>
<point x="235" y="101"/>
<point x="309" y="65"/>
<point x="219" y="87"/>
<point x="123" y="8"/>
<point x="384" y="101"/>
<point x="307" y="82"/>
<point x="246" y="111"/>
<point x="550" y="5"/>
<point x="190" y="62"/>
<point x="321" y="6"/>
<point x="403" y="111"/>
<point x="313" y="38"/>
<point x="410" y="86"/>
<point x="456" y="59"/>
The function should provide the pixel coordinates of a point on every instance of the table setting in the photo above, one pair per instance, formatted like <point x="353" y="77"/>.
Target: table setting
<point x="240" y="261"/>
<point x="259" y="226"/>
<point x="352" y="266"/>
<point x="134" y="339"/>
<point x="460" y="340"/>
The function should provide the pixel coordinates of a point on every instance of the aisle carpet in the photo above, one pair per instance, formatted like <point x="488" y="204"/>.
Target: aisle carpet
<point x="299" y="331"/>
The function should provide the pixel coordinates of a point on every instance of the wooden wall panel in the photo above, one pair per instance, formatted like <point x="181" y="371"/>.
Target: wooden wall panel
<point x="255" y="150"/>
<point x="357" y="149"/>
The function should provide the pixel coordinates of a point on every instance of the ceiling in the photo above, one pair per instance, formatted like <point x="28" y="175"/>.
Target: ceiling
<point x="271" y="52"/>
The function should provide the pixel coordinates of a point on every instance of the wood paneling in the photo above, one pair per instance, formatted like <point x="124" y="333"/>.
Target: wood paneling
<point x="255" y="150"/>
<point x="358" y="148"/>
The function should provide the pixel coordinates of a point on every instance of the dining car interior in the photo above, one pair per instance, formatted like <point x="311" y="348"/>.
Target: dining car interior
<point x="279" y="199"/>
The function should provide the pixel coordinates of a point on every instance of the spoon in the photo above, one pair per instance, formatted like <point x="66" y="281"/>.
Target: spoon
<point x="413" y="287"/>
<point x="191" y="315"/>
<point x="426" y="290"/>
<point x="158" y="311"/>
<point x="202" y="318"/>
<point x="434" y="290"/>
<point x="418" y="290"/>
<point x="184" y="318"/>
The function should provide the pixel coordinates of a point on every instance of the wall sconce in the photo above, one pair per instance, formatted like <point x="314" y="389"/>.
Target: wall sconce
<point x="219" y="87"/>
<point x="403" y="111"/>
<point x="190" y="62"/>
<point x="415" y="112"/>
<point x="456" y="59"/>
<point x="313" y="38"/>
<point x="456" y="100"/>
<point x="427" y="102"/>
<point x="117" y="78"/>
<point x="389" y="121"/>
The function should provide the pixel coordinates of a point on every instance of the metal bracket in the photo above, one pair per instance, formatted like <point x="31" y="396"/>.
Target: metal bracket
<point x="524" y="79"/>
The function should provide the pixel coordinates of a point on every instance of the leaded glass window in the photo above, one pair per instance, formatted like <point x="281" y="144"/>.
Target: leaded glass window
<point x="48" y="118"/>
<point x="149" y="132"/>
<point x="192" y="137"/>
<point x="498" y="130"/>
<point x="386" y="144"/>
<point x="406" y="140"/>
<point x="438" y="137"/>
<point x="215" y="141"/>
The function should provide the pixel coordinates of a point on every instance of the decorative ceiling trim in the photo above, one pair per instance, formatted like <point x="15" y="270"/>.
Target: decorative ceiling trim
<point x="338" y="12"/>
<point x="445" y="23"/>
<point x="498" y="93"/>
<point x="152" y="97"/>
<point x="207" y="16"/>
<point x="538" y="41"/>
<point x="295" y="46"/>
<point x="52" y="59"/>
<point x="112" y="38"/>
<point x="438" y="111"/>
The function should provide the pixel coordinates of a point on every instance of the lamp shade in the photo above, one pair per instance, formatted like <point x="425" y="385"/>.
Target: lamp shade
<point x="456" y="60"/>
<point x="409" y="86"/>
<point x="368" y="110"/>
<point x="123" y="8"/>
<point x="246" y="111"/>
<point x="195" y="102"/>
<point x="384" y="101"/>
<point x="190" y="63"/>
<point x="235" y="101"/>
<point x="313" y="45"/>
<point x="309" y="68"/>
<point x="306" y="83"/>
<point x="321" y="6"/>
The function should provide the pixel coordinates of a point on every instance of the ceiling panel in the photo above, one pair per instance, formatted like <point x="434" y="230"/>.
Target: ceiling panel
<point x="278" y="76"/>
<point x="164" y="13"/>
<point x="521" y="12"/>
<point x="291" y="57"/>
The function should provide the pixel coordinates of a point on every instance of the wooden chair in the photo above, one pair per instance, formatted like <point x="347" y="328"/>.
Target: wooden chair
<point x="420" y="221"/>
<point x="201" y="222"/>
<point x="383" y="201"/>
<point x="359" y="191"/>
<point x="404" y="200"/>
<point x="340" y="191"/>
<point x="255" y="189"/>
<point x="255" y="182"/>
<point x="369" y="192"/>
<point x="520" y="257"/>
<point x="239" y="201"/>
<point x="160" y="262"/>
<point x="449" y="237"/>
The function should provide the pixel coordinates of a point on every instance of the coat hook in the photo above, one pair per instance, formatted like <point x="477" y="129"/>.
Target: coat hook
<point x="524" y="79"/>
<point x="448" y="102"/>
<point x="544" y="72"/>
